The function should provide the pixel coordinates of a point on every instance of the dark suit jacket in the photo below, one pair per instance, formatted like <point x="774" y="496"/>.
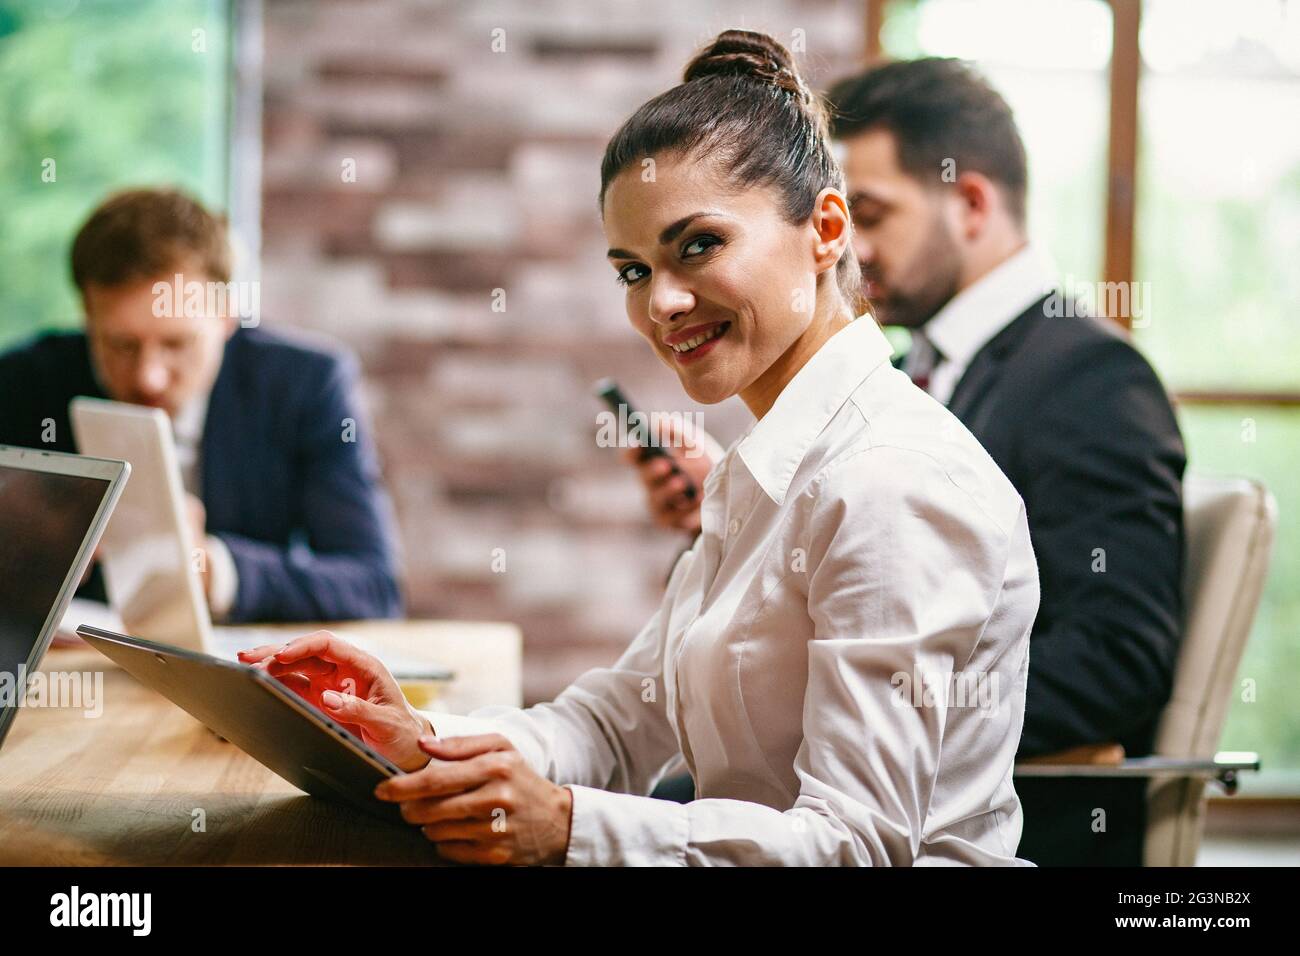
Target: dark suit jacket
<point x="301" y="509"/>
<point x="1080" y="424"/>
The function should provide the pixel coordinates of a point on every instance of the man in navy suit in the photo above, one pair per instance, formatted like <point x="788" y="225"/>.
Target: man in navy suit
<point x="282" y="479"/>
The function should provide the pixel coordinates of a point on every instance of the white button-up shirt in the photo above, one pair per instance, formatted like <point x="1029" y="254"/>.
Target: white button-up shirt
<point x="187" y="432"/>
<point x="840" y="658"/>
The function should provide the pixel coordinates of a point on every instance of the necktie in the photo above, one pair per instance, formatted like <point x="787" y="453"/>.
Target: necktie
<point x="926" y="360"/>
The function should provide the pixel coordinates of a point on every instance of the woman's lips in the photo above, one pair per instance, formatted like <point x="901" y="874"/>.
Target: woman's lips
<point x="713" y="333"/>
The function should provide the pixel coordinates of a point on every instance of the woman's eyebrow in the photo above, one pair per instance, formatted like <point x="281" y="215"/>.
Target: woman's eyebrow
<point x="671" y="232"/>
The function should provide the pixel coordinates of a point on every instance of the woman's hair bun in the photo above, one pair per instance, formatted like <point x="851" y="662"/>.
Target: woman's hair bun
<point x="744" y="53"/>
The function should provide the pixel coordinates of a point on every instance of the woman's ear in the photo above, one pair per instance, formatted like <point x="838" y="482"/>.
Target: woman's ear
<point x="832" y="228"/>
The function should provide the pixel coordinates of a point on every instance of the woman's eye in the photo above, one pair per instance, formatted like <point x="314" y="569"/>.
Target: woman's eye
<point x="630" y="273"/>
<point x="699" y="244"/>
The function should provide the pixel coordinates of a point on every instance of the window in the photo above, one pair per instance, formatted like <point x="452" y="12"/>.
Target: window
<point x="1218" y="239"/>
<point x="98" y="95"/>
<point x="1049" y="59"/>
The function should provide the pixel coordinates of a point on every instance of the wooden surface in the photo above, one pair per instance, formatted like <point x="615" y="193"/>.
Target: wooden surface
<point x="1121" y="162"/>
<point x="123" y="788"/>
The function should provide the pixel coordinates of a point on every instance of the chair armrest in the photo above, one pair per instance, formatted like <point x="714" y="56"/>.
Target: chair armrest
<point x="1223" y="767"/>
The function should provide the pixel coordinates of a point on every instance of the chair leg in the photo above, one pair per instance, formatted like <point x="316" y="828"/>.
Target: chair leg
<point x="1175" y="821"/>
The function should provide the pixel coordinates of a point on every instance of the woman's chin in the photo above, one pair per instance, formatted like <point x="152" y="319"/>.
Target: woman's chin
<point x="706" y="390"/>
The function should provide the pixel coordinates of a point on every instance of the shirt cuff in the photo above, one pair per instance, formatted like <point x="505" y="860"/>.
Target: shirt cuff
<point x="510" y="723"/>
<point x="620" y="829"/>
<point x="223" y="578"/>
<point x="456" y="725"/>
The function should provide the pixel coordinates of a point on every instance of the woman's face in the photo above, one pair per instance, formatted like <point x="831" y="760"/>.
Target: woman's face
<point x="718" y="282"/>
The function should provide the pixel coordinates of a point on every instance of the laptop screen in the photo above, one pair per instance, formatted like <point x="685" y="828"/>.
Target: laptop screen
<point x="44" y="518"/>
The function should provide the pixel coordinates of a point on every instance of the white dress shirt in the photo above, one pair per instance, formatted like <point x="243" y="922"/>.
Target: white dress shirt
<point x="974" y="315"/>
<point x="187" y="432"/>
<point x="858" y="547"/>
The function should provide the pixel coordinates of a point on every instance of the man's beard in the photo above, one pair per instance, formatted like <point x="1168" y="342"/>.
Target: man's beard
<point x="926" y="285"/>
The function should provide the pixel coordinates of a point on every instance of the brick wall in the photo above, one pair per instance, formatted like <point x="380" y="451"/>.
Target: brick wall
<point x="409" y="172"/>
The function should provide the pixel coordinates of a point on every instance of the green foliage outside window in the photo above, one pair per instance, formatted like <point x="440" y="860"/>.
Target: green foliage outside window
<point x="95" y="96"/>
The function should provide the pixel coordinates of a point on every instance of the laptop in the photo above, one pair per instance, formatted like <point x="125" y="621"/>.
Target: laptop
<point x="151" y="567"/>
<point x="53" y="509"/>
<point x="260" y="716"/>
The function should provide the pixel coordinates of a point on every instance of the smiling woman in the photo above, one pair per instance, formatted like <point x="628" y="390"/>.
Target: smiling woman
<point x="742" y="145"/>
<point x="856" y="537"/>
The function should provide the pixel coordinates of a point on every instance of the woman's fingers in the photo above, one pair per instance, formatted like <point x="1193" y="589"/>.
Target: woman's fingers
<point x="353" y="710"/>
<point x="329" y="647"/>
<point x="314" y="644"/>
<point x="453" y="808"/>
<point x="261" y="653"/>
<point x="297" y="683"/>
<point x="462" y="748"/>
<point x="441" y="778"/>
<point x="472" y="830"/>
<point x="472" y="851"/>
<point x="309" y="666"/>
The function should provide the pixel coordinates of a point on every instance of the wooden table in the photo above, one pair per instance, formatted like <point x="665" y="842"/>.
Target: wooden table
<point x="131" y="786"/>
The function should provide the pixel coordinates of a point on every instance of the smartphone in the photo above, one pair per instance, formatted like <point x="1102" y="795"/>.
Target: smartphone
<point x="636" y="434"/>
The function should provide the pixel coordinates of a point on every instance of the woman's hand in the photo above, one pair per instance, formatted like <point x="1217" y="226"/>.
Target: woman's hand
<point x="353" y="687"/>
<point x="479" y="802"/>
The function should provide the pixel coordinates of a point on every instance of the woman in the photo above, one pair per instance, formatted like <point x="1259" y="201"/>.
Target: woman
<point x="841" y="657"/>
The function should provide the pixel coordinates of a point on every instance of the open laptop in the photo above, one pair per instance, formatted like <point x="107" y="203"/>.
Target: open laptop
<point x="150" y="563"/>
<point x="53" y="509"/>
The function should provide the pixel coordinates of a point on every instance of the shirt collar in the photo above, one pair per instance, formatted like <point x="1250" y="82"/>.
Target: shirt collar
<point x="187" y="425"/>
<point x="777" y="443"/>
<point x="980" y="311"/>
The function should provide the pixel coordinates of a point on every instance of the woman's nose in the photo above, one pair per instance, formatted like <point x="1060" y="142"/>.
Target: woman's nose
<point x="669" y="299"/>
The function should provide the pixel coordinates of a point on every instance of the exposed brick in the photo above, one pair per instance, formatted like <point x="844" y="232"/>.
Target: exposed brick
<point x="478" y="171"/>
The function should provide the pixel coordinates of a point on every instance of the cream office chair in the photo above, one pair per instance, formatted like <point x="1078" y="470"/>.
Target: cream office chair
<point x="1229" y="525"/>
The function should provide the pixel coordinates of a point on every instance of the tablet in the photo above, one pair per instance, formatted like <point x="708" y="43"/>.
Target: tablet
<point x="261" y="717"/>
<point x="147" y="554"/>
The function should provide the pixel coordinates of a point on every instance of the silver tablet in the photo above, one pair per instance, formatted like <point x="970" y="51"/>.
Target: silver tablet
<point x="261" y="717"/>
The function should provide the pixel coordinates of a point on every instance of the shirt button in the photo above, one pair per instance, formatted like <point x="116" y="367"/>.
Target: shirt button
<point x="734" y="526"/>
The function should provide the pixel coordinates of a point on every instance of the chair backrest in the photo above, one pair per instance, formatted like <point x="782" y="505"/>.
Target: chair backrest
<point x="1229" y="525"/>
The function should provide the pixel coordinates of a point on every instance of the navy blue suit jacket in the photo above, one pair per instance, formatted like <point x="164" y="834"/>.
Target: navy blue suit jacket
<point x="301" y="508"/>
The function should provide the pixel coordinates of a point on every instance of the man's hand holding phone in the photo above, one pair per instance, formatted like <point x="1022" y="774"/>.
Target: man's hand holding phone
<point x="669" y="489"/>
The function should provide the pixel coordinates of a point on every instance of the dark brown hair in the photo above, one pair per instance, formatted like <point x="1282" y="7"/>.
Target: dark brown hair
<point x="143" y="233"/>
<point x="938" y="109"/>
<point x="742" y="103"/>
